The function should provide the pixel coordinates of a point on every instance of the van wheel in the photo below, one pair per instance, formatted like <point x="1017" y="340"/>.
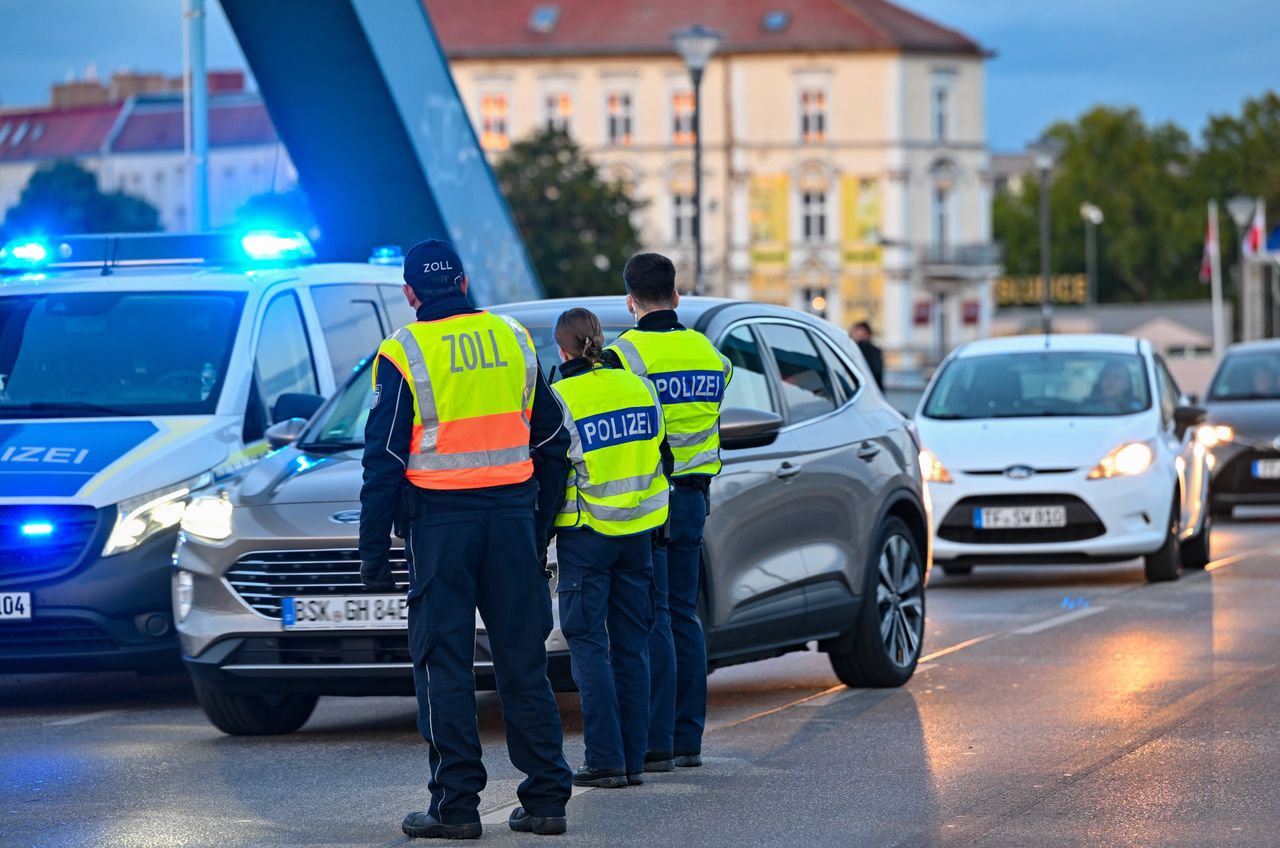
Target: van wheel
<point x="254" y="715"/>
<point x="1195" y="551"/>
<point x="1166" y="562"/>
<point x="889" y="631"/>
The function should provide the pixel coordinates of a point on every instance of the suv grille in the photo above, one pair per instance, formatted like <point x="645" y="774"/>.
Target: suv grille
<point x="1082" y="522"/>
<point x="53" y="550"/>
<point x="262" y="579"/>
<point x="43" y="636"/>
<point x="1237" y="476"/>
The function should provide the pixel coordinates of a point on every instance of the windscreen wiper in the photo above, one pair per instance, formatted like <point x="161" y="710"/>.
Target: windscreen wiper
<point x="329" y="447"/>
<point x="64" y="406"/>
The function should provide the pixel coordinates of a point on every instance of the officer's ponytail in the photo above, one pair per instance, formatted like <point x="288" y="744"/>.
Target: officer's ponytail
<point x="578" y="332"/>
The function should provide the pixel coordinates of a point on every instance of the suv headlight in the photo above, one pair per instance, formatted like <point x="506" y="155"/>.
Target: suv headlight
<point x="142" y="518"/>
<point x="208" y="517"/>
<point x="932" y="469"/>
<point x="1211" y="436"/>
<point x="1127" y="460"/>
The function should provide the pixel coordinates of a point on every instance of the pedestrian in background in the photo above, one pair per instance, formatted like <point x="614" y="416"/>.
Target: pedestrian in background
<point x="870" y="351"/>
<point x="465" y="451"/>
<point x="690" y="376"/>
<point x="616" y="497"/>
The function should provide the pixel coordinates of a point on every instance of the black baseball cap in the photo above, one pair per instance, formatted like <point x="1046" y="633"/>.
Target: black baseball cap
<point x="433" y="266"/>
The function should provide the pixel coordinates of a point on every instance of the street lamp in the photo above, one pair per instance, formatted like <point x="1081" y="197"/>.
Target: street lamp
<point x="1045" y="153"/>
<point x="696" y="45"/>
<point x="1092" y="216"/>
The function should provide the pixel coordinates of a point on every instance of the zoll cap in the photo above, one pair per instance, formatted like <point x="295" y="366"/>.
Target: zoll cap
<point x="433" y="265"/>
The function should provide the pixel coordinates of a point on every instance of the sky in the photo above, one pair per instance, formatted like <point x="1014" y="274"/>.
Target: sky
<point x="1178" y="60"/>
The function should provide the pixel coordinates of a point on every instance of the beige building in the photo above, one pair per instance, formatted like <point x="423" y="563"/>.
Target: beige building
<point x="845" y="162"/>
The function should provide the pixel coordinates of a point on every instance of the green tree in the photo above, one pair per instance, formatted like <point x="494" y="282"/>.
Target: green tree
<point x="578" y="226"/>
<point x="64" y="197"/>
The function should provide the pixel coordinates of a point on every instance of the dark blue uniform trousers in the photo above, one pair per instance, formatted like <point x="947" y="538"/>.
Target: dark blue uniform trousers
<point x="606" y="612"/>
<point x="677" y="646"/>
<point x="486" y="558"/>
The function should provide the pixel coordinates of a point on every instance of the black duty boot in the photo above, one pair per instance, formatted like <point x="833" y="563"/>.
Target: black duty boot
<point x="688" y="760"/>
<point x="658" y="761"/>
<point x="522" y="822"/>
<point x="600" y="778"/>
<point x="427" y="826"/>
<point x="635" y="778"/>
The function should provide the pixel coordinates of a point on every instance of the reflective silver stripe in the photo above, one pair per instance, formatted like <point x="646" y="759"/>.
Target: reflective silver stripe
<point x="689" y="440"/>
<point x="625" y="486"/>
<point x="421" y="389"/>
<point x="630" y="356"/>
<point x="705" y="458"/>
<point x="530" y="361"/>
<point x="633" y="513"/>
<point x="575" y="440"/>
<point x="467" y="459"/>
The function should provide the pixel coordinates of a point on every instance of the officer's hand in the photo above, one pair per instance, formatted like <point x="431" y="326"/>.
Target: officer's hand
<point x="377" y="577"/>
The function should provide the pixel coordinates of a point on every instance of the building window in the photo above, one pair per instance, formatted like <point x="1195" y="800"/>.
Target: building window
<point x="682" y="118"/>
<point x="682" y="217"/>
<point x="940" y="217"/>
<point x="557" y="111"/>
<point x="621" y="118"/>
<point x="813" y="116"/>
<point x="941" y="102"/>
<point x="813" y="213"/>
<point x="493" y="122"/>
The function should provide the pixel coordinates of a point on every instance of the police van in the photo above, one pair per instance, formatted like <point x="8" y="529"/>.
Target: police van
<point x="134" y="371"/>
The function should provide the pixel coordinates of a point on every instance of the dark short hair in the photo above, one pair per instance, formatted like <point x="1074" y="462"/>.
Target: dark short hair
<point x="650" y="279"/>
<point x="863" y="325"/>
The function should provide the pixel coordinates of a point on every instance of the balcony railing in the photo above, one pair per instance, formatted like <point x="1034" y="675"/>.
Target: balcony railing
<point x="967" y="256"/>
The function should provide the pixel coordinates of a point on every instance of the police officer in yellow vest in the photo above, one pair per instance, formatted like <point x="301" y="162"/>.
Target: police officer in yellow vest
<point x="466" y="444"/>
<point x="617" y="496"/>
<point x="690" y="376"/>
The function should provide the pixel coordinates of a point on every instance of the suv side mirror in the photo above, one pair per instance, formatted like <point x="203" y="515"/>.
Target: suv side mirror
<point x="286" y="432"/>
<point x="1186" y="417"/>
<point x="748" y="428"/>
<point x="295" y="405"/>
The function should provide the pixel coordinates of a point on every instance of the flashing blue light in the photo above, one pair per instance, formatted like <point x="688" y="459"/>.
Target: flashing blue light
<point x="387" y="254"/>
<point x="37" y="528"/>
<point x="24" y="253"/>
<point x="276" y="246"/>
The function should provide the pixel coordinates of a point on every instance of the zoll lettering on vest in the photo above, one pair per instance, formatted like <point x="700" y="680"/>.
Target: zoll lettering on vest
<point x="689" y="386"/>
<point x="467" y="352"/>
<point x="618" y="427"/>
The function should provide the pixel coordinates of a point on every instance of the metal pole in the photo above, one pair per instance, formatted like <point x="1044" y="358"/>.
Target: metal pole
<point x="1091" y="260"/>
<point x="199" y="84"/>
<point x="1215" y="284"/>
<point x="1046" y="310"/>
<point x="697" y="181"/>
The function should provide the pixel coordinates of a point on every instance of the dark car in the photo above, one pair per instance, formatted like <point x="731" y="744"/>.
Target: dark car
<point x="1243" y="426"/>
<point x="818" y="532"/>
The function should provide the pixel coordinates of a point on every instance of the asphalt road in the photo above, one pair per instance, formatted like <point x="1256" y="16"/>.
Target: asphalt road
<point x="1057" y="706"/>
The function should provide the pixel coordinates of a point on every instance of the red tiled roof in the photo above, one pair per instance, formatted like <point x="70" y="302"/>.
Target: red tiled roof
<point x="501" y="28"/>
<point x="158" y="126"/>
<point x="46" y="134"/>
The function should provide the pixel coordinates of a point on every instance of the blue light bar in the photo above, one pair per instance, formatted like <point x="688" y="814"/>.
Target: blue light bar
<point x="21" y="254"/>
<point x="37" y="528"/>
<point x="276" y="246"/>
<point x="387" y="254"/>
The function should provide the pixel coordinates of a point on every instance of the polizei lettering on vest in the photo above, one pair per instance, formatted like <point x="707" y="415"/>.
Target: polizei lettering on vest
<point x="470" y="348"/>
<point x="689" y="386"/>
<point x="618" y="427"/>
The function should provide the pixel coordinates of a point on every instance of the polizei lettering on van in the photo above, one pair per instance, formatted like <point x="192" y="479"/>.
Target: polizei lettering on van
<point x="55" y="456"/>
<point x="689" y="386"/>
<point x="618" y="427"/>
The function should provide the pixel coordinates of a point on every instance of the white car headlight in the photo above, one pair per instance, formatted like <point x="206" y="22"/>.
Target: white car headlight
<point x="141" y="518"/>
<point x="209" y="517"/>
<point x="932" y="469"/>
<point x="1127" y="460"/>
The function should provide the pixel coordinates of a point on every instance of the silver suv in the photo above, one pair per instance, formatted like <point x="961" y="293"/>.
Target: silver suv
<point x="818" y="532"/>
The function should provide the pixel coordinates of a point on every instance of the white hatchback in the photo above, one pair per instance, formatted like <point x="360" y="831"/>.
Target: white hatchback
<point x="1063" y="449"/>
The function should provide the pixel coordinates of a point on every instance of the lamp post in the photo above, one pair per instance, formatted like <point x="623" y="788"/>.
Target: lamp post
<point x="1092" y="216"/>
<point x="696" y="45"/>
<point x="1045" y="152"/>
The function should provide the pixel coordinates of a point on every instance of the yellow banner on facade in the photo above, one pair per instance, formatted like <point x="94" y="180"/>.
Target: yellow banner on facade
<point x="860" y="211"/>
<point x="770" y="221"/>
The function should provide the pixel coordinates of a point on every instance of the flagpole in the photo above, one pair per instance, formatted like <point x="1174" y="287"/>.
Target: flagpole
<point x="1215" y="278"/>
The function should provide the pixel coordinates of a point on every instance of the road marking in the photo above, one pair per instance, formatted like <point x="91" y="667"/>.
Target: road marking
<point x="960" y="646"/>
<point x="1058" y="620"/>
<point x="80" y="719"/>
<point x="1232" y="560"/>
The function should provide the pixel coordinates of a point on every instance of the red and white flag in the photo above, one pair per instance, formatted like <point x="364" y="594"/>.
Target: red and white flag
<point x="1210" y="249"/>
<point x="1255" y="240"/>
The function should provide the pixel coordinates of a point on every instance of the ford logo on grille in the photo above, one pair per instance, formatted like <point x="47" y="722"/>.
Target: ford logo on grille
<point x="347" y="516"/>
<point x="1019" y="472"/>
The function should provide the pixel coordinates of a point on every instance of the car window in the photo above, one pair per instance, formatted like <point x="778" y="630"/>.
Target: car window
<point x="845" y="381"/>
<point x="351" y="325"/>
<point x="1248" y="375"/>
<point x="806" y="383"/>
<point x="283" y="363"/>
<point x="398" y="309"/>
<point x="749" y="387"/>
<point x="1170" y="395"/>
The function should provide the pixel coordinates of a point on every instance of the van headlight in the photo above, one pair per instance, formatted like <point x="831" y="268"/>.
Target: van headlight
<point x="142" y="518"/>
<point x="1126" y="460"/>
<point x="208" y="517"/>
